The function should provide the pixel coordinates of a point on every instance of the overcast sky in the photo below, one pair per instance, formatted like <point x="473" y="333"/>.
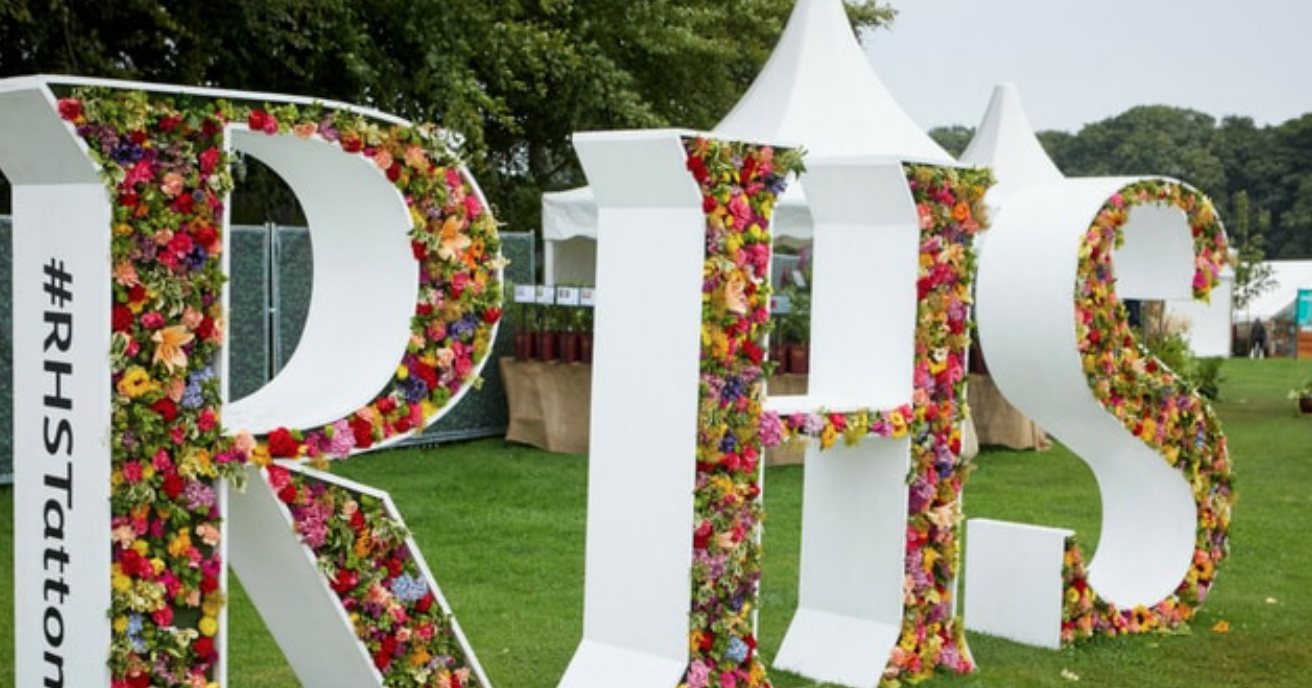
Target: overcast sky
<point x="1080" y="61"/>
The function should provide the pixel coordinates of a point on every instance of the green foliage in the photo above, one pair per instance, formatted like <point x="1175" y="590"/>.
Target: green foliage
<point x="1202" y="374"/>
<point x="513" y="79"/>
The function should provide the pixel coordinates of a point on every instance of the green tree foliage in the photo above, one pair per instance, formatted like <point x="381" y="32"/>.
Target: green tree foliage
<point x="1260" y="177"/>
<point x="514" y="78"/>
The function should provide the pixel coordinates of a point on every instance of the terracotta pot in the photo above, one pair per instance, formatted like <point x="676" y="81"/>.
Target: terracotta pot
<point x="570" y="347"/>
<point x="523" y="346"/>
<point x="546" y="346"/>
<point x="799" y="359"/>
<point x="585" y="348"/>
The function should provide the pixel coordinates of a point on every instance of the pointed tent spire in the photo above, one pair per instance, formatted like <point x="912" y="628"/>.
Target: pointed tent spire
<point x="819" y="90"/>
<point x="1005" y="141"/>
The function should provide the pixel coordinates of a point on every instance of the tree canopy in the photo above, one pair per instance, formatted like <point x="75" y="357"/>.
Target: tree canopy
<point x="1259" y="177"/>
<point x="513" y="78"/>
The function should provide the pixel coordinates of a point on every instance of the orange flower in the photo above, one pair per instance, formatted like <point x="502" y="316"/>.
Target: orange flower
<point x="961" y="211"/>
<point x="168" y="346"/>
<point x="453" y="241"/>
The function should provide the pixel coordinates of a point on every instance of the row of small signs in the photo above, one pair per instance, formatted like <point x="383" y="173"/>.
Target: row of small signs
<point x="546" y="294"/>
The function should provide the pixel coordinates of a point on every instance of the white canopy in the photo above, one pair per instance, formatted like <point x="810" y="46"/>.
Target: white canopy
<point x="1288" y="278"/>
<point x="1005" y="141"/>
<point x="818" y="90"/>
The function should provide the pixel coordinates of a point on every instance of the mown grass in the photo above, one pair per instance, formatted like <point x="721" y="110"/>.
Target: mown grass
<point x="502" y="527"/>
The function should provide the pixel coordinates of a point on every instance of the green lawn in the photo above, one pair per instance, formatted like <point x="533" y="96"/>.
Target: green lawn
<point x="502" y="527"/>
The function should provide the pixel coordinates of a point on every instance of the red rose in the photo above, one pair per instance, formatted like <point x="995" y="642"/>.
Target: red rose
<point x="418" y="248"/>
<point x="382" y="660"/>
<point x="203" y="647"/>
<point x="209" y="159"/>
<point x="386" y="405"/>
<point x="283" y="444"/>
<point x="708" y="204"/>
<point x="363" y="431"/>
<point x="394" y="172"/>
<point x="395" y="567"/>
<point x="173" y="484"/>
<point x="702" y="536"/>
<point x="344" y="581"/>
<point x="137" y="678"/>
<point x="122" y="318"/>
<point x="288" y="494"/>
<point x="707" y="642"/>
<point x="357" y="521"/>
<point x="70" y="108"/>
<point x="698" y="169"/>
<point x="206" y="328"/>
<point x="425" y="603"/>
<point x="205" y="235"/>
<point x="208" y="584"/>
<point x="183" y="205"/>
<point x="166" y="409"/>
<point x="137" y="137"/>
<point x="137" y="293"/>
<point x="352" y="144"/>
<point x="491" y="315"/>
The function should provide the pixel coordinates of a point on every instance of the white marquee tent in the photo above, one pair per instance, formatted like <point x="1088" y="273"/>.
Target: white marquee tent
<point x="818" y="90"/>
<point x="1288" y="278"/>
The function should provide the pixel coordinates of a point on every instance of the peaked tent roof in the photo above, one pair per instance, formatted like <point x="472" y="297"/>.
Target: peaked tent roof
<point x="819" y="90"/>
<point x="1005" y="141"/>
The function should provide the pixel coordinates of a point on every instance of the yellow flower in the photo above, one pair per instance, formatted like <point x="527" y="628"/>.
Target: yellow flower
<point x="168" y="346"/>
<point x="208" y="626"/>
<point x="135" y="382"/>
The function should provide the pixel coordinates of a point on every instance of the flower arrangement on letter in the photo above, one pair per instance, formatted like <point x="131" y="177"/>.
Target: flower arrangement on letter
<point x="949" y="203"/>
<point x="163" y="161"/>
<point x="739" y="185"/>
<point x="364" y="550"/>
<point x="1153" y="404"/>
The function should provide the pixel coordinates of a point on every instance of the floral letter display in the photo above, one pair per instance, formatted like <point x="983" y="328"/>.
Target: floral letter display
<point x="1060" y="346"/>
<point x="693" y="216"/>
<point x="891" y="306"/>
<point x="132" y="274"/>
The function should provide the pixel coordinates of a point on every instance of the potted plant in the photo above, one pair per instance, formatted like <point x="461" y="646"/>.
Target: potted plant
<point x="1303" y="394"/>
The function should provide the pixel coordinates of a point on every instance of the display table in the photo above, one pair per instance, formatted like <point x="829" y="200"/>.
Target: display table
<point x="999" y="423"/>
<point x="549" y="404"/>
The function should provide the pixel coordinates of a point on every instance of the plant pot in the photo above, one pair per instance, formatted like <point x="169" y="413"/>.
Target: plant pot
<point x="523" y="346"/>
<point x="799" y="359"/>
<point x="570" y="347"/>
<point x="1305" y="404"/>
<point x="546" y="346"/>
<point x="585" y="347"/>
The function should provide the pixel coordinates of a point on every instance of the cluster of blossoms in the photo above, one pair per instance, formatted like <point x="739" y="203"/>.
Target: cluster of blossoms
<point x="739" y="185"/>
<point x="1153" y="404"/>
<point x="455" y="242"/>
<point x="167" y="176"/>
<point x="365" y="552"/>
<point x="163" y="160"/>
<point x="950" y="205"/>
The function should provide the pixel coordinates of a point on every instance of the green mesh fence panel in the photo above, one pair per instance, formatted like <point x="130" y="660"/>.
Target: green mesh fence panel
<point x="271" y="272"/>
<point x="7" y="351"/>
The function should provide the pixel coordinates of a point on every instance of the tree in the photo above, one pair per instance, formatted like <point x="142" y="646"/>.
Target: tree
<point x="514" y="78"/>
<point x="954" y="139"/>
